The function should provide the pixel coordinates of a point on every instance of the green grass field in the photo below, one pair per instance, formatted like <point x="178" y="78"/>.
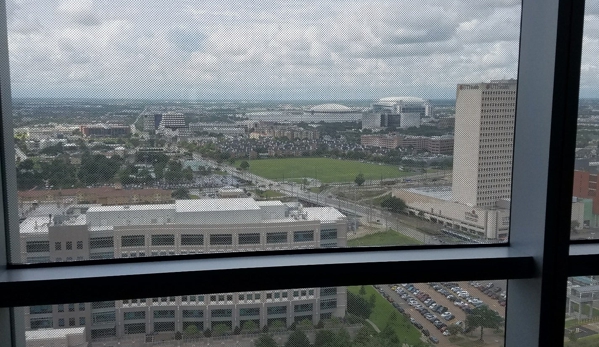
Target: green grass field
<point x="385" y="238"/>
<point x="381" y="313"/>
<point x="324" y="169"/>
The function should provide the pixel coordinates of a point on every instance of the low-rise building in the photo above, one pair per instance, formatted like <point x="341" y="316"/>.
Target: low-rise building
<point x="185" y="227"/>
<point x="435" y="204"/>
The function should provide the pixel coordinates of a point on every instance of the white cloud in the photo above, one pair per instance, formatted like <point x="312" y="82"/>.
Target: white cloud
<point x="243" y="47"/>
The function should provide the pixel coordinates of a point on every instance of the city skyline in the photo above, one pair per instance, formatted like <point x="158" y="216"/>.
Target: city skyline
<point x="242" y="50"/>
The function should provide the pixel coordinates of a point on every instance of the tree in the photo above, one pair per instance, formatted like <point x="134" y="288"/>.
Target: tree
<point x="454" y="329"/>
<point x="483" y="317"/>
<point x="393" y="204"/>
<point x="244" y="165"/>
<point x="325" y="338"/>
<point x="372" y="300"/>
<point x="362" y="290"/>
<point x="221" y="329"/>
<point x="277" y="325"/>
<point x="297" y="338"/>
<point x="249" y="325"/>
<point x="180" y="194"/>
<point x="360" y="179"/>
<point x="178" y="335"/>
<point x="208" y="333"/>
<point x="265" y="341"/>
<point x="358" y="306"/>
<point x="572" y="335"/>
<point x="191" y="330"/>
<point x="343" y="338"/>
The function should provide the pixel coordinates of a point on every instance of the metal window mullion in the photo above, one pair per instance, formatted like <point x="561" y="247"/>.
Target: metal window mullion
<point x="549" y="74"/>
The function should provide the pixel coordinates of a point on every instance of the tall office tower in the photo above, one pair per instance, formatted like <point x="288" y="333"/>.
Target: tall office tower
<point x="483" y="147"/>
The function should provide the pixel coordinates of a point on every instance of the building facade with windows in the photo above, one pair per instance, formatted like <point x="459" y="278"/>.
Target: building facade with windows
<point x="185" y="227"/>
<point x="483" y="144"/>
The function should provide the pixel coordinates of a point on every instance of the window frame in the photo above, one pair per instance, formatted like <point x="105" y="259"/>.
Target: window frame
<point x="534" y="261"/>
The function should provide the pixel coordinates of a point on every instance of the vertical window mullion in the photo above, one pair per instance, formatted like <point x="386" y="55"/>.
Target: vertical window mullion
<point x="549" y="71"/>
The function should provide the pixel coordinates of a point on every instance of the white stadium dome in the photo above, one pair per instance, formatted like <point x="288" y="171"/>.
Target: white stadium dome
<point x="331" y="108"/>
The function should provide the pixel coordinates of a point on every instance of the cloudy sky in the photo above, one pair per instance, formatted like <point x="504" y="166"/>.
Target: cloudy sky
<point x="269" y="49"/>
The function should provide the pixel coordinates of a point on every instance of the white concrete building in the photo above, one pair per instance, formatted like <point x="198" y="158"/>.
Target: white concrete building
<point x="185" y="227"/>
<point x="483" y="145"/>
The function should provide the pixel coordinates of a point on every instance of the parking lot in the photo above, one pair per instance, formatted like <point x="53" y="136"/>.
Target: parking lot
<point x="433" y="307"/>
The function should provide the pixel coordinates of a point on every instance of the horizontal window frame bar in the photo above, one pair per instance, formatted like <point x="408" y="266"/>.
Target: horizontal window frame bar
<point x="583" y="259"/>
<point x="55" y="285"/>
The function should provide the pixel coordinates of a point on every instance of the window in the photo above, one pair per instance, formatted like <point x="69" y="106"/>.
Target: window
<point x="164" y="314"/>
<point x="71" y="307"/>
<point x="135" y="328"/>
<point x="303" y="236"/>
<point x="192" y="240"/>
<point x="79" y="244"/>
<point x="82" y="307"/>
<point x="134" y="315"/>
<point x="101" y="242"/>
<point x="133" y="241"/>
<point x="276" y="310"/>
<point x="57" y="246"/>
<point x="103" y="317"/>
<point x="546" y="87"/>
<point x="276" y="237"/>
<point x="244" y="312"/>
<point x="249" y="239"/>
<point x="71" y="322"/>
<point x="193" y="314"/>
<point x="69" y="246"/>
<point x="61" y="322"/>
<point x="303" y="308"/>
<point x="81" y="321"/>
<point x="37" y="246"/>
<point x="328" y="234"/>
<point x="163" y="240"/>
<point x="221" y="239"/>
<point x="221" y="313"/>
<point x="40" y="309"/>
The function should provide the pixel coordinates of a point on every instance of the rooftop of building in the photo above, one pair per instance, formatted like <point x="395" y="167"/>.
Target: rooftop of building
<point x="44" y="334"/>
<point x="323" y="214"/>
<point x="437" y="192"/>
<point x="117" y="208"/>
<point x="212" y="205"/>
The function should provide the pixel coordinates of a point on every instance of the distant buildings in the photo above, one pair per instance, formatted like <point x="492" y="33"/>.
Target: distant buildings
<point x="396" y="112"/>
<point x="219" y="128"/>
<point x="105" y="130"/>
<point x="101" y="195"/>
<point x="435" y="144"/>
<point x="265" y="129"/>
<point x="162" y="121"/>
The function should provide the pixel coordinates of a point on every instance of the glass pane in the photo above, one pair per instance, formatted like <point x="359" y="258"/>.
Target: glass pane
<point x="585" y="208"/>
<point x="416" y="314"/>
<point x="160" y="122"/>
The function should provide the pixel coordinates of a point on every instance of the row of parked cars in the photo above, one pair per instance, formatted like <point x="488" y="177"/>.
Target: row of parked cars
<point x="423" y="303"/>
<point x="492" y="291"/>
